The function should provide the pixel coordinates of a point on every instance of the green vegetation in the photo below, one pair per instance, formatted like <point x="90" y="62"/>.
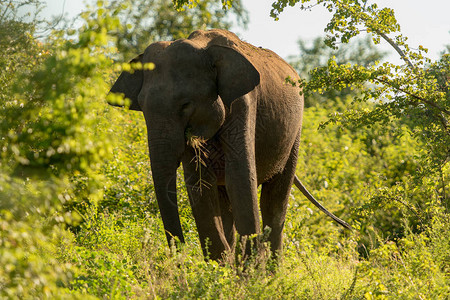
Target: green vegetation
<point x="78" y="214"/>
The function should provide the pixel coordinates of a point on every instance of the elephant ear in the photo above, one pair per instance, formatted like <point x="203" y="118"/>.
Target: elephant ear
<point x="129" y="84"/>
<point x="236" y="76"/>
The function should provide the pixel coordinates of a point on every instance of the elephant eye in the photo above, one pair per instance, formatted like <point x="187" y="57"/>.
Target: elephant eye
<point x="185" y="107"/>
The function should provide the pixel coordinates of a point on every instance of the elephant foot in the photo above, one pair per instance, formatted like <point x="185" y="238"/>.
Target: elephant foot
<point x="253" y="251"/>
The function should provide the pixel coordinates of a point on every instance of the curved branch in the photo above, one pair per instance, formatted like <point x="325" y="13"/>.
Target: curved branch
<point x="396" y="47"/>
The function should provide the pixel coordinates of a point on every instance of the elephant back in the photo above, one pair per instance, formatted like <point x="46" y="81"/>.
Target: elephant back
<point x="260" y="57"/>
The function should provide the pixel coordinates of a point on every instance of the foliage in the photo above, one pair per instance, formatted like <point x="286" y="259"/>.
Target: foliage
<point x="28" y="247"/>
<point x="19" y="50"/>
<point x="183" y="4"/>
<point x="314" y="55"/>
<point x="406" y="91"/>
<point x="51" y="142"/>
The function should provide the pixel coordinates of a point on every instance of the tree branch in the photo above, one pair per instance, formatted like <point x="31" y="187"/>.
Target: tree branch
<point x="396" y="47"/>
<point x="443" y="110"/>
<point x="441" y="113"/>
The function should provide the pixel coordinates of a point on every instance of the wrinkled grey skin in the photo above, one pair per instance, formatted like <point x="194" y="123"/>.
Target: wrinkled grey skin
<point x="233" y="95"/>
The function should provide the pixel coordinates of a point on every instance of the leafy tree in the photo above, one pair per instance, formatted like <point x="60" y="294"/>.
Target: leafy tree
<point x="18" y="48"/>
<point x="409" y="89"/>
<point x="315" y="54"/>
<point x="51" y="146"/>
<point x="386" y="207"/>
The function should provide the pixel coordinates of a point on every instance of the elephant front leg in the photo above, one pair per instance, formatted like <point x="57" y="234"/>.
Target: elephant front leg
<point x="237" y="137"/>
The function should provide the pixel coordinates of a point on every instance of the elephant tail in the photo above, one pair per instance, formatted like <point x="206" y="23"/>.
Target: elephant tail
<point x="310" y="197"/>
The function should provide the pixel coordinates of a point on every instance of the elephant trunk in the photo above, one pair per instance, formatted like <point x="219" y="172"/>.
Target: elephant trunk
<point x="165" y="154"/>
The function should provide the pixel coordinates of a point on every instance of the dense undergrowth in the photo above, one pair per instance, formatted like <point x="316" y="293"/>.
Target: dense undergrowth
<point x="119" y="249"/>
<point x="79" y="219"/>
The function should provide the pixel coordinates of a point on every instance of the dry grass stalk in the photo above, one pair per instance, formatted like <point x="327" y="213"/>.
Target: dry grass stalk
<point x="198" y="144"/>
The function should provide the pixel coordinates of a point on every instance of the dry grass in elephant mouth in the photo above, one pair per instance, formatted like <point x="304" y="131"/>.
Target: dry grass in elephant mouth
<point x="201" y="153"/>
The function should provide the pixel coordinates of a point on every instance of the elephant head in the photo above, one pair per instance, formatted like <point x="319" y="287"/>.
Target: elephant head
<point x="191" y="88"/>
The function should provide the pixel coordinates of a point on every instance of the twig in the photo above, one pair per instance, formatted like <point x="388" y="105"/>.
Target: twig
<point x="6" y="10"/>
<point x="441" y="113"/>
<point x="410" y="208"/>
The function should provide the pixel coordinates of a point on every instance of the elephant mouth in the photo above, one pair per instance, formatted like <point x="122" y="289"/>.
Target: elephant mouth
<point x="198" y="143"/>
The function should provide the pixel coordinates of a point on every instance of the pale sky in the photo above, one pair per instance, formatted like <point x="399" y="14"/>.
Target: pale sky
<point x="425" y="23"/>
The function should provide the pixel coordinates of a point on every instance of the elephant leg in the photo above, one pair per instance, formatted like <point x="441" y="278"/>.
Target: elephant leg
<point x="237" y="140"/>
<point x="206" y="208"/>
<point x="274" y="199"/>
<point x="227" y="217"/>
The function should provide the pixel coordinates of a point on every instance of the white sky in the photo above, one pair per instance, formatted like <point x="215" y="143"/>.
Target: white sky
<point x="425" y="23"/>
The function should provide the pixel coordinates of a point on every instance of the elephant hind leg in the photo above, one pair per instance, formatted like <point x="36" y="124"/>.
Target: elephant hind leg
<point x="274" y="199"/>
<point x="207" y="215"/>
<point x="227" y="217"/>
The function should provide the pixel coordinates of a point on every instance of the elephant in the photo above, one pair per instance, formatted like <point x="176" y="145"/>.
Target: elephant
<point x="223" y="109"/>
